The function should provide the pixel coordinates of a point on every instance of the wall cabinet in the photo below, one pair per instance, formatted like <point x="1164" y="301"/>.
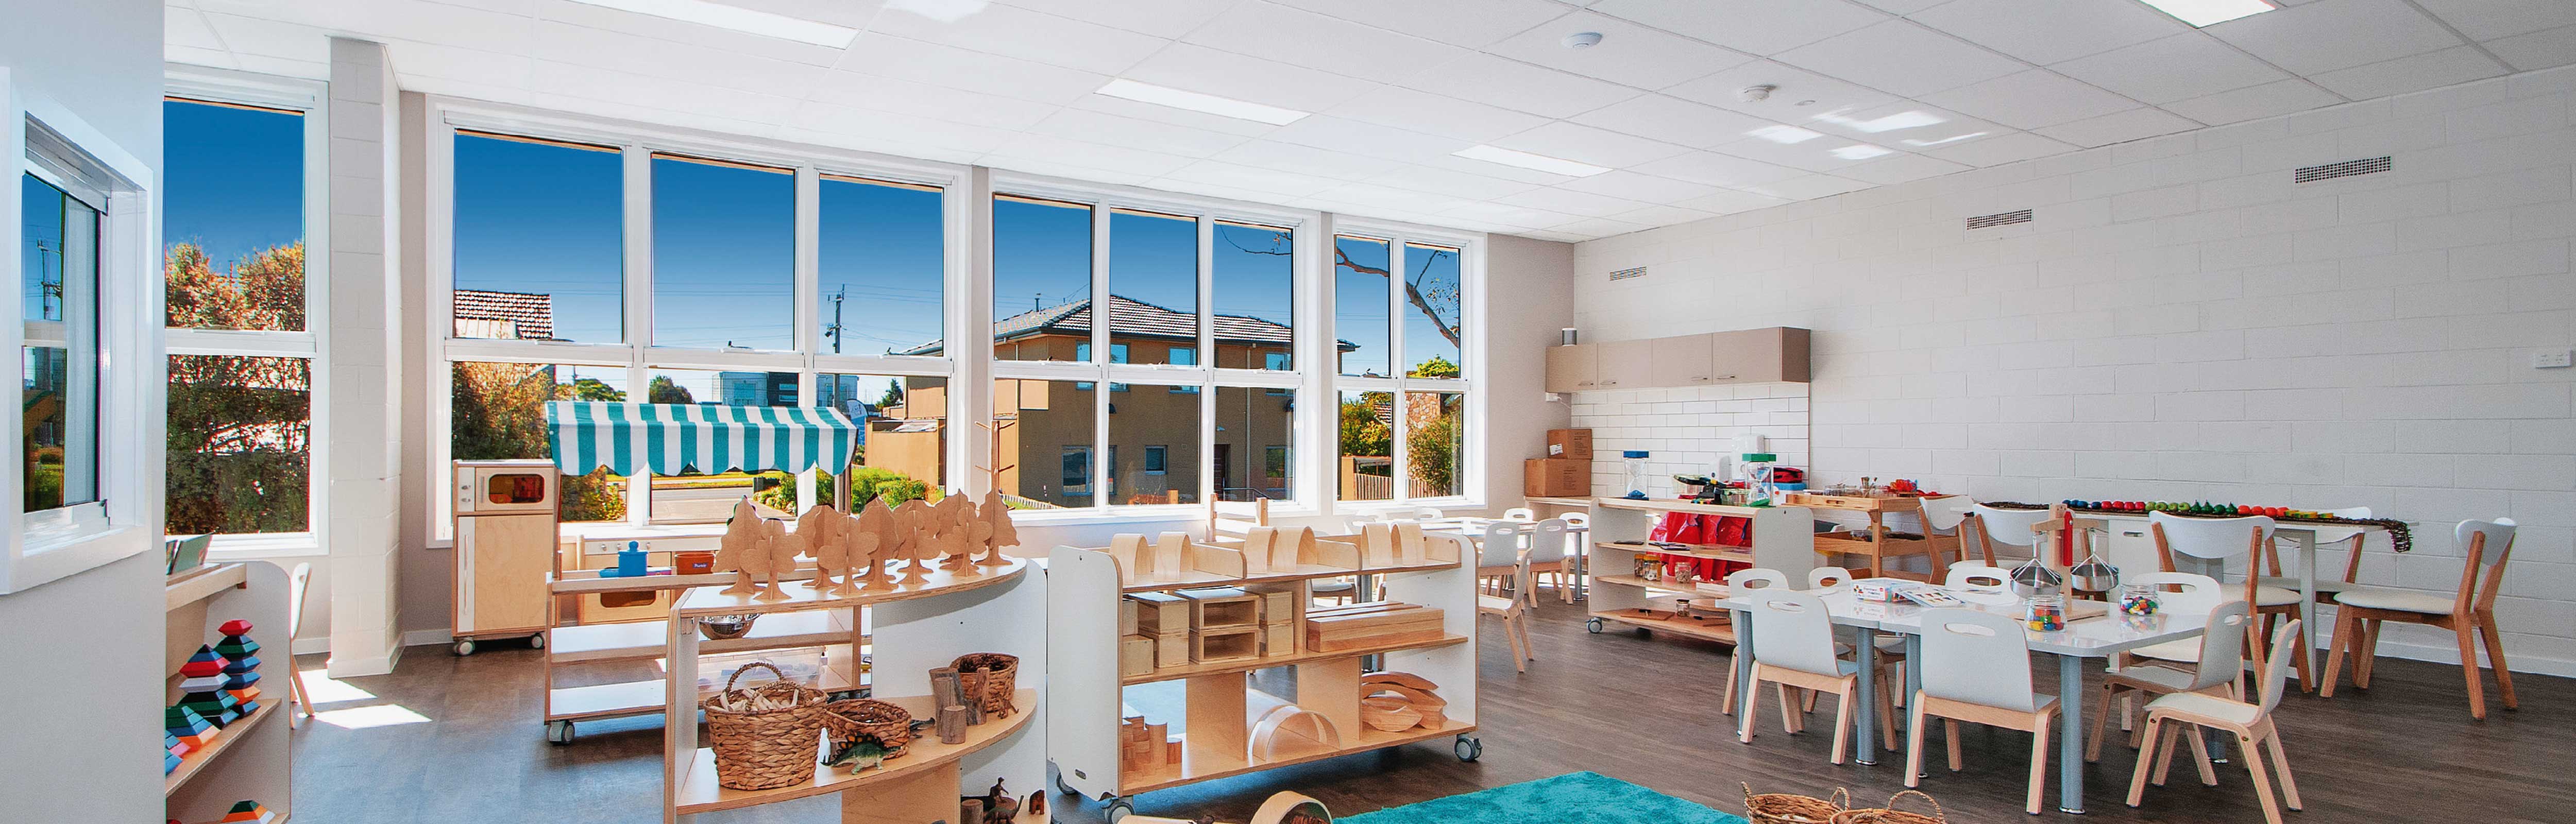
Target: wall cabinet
<point x="1772" y="355"/>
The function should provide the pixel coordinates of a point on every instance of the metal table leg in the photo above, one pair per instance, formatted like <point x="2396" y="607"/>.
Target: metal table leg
<point x="1866" y="641"/>
<point x="2070" y="736"/>
<point x="2307" y="541"/>
<point x="1743" y="660"/>
<point x="1913" y="681"/>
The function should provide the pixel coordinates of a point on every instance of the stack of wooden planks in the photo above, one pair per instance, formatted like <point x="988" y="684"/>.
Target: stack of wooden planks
<point x="1352" y="626"/>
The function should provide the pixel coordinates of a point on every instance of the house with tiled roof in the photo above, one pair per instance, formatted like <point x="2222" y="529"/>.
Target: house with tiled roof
<point x="485" y="313"/>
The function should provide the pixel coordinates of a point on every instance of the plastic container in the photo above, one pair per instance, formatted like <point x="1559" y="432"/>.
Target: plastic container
<point x="2045" y="613"/>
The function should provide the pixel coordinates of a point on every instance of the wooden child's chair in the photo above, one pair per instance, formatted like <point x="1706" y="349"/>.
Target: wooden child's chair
<point x="1976" y="668"/>
<point x="2468" y="613"/>
<point x="2179" y="714"/>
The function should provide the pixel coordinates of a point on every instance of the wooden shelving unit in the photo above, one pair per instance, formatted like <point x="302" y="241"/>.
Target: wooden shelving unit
<point x="909" y="630"/>
<point x="250" y="759"/>
<point x="1782" y="540"/>
<point x="569" y="645"/>
<point x="1085" y="693"/>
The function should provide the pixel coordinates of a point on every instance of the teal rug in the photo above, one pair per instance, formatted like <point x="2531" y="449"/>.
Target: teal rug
<point x="1572" y="798"/>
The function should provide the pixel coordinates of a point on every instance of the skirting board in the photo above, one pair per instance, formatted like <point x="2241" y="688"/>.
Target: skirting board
<point x="412" y="638"/>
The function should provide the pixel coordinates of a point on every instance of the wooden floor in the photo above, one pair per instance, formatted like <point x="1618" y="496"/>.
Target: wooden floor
<point x="1639" y="709"/>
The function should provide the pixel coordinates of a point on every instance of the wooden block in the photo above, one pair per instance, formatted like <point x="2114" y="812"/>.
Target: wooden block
<point x="1171" y="555"/>
<point x="1389" y="714"/>
<point x="1126" y="616"/>
<point x="1172" y="751"/>
<point x="1278" y="601"/>
<point x="1256" y="549"/>
<point x="1135" y="655"/>
<point x="1407" y="636"/>
<point x="1158" y="613"/>
<point x="1409" y="548"/>
<point x="1279" y="639"/>
<point x="1217" y="708"/>
<point x="952" y="724"/>
<point x="1352" y="621"/>
<point x="1216" y="646"/>
<point x="1377" y="544"/>
<point x="1404" y="679"/>
<point x="1222" y="608"/>
<point x="1288" y="731"/>
<point x="1171" y="649"/>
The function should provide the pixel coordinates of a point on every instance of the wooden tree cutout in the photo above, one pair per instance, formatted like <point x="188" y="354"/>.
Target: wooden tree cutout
<point x="819" y="530"/>
<point x="778" y="557"/>
<point x="858" y="552"/>
<point x="953" y="514"/>
<point x="741" y="540"/>
<point x="1004" y="535"/>
<point x="914" y="521"/>
<point x="880" y="522"/>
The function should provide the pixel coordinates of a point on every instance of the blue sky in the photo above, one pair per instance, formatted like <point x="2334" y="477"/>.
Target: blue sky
<point x="1359" y="306"/>
<point x="883" y="243"/>
<point x="724" y="256"/>
<point x="1041" y="256"/>
<point x="1250" y="281"/>
<point x="1435" y="273"/>
<point x="539" y="218"/>
<point x="232" y="179"/>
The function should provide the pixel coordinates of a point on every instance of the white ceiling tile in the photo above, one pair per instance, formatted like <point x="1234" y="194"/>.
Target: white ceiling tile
<point x="1555" y="236"/>
<point x="2048" y="31"/>
<point x="1634" y="186"/>
<point x="2032" y="99"/>
<point x="889" y="94"/>
<point x="1899" y="168"/>
<point x="1489" y="169"/>
<point x="1511" y="84"/>
<point x="2118" y="128"/>
<point x="194" y="56"/>
<point x="1599" y="147"/>
<point x="626" y="22"/>
<point x="852" y="13"/>
<point x="1901" y="57"/>
<point x="630" y="89"/>
<point x="591" y="103"/>
<point x="1808" y="187"/>
<point x="1469" y="23"/>
<point x="890" y="56"/>
<point x="1582" y="204"/>
<point x="1905" y="125"/>
<point x="1160" y="18"/>
<point x="1217" y="173"/>
<point x="1999" y="149"/>
<point x="1028" y="35"/>
<point x="2180" y="67"/>
<point x="185" y="27"/>
<point x="1312" y="40"/>
<point x="2416" y="73"/>
<point x="1902" y="6"/>
<point x="864" y="127"/>
<point x="1796" y="86"/>
<point x="1143" y="135"/>
<point x="1759" y="27"/>
<point x="1441" y="181"/>
<point x="1370" y="139"/>
<point x="2326" y="35"/>
<point x="432" y="60"/>
<point x="1663" y="215"/>
<point x="1244" y="77"/>
<point x="2252" y="102"/>
<point x="1520" y="216"/>
<point x="1718" y="169"/>
<point x="634" y="54"/>
<point x="1170" y="183"/>
<point x="1054" y="164"/>
<point x="252" y="36"/>
<point x="1601" y="227"/>
<point x="1813" y="155"/>
<point x="1429" y="113"/>
<point x="1672" y="120"/>
<point x="1388" y="197"/>
<point x="1628" y="53"/>
<point x="459" y="88"/>
<point x="1086" y="154"/>
<point x="1305" y="160"/>
<point x="2494" y="19"/>
<point x="2537" y="50"/>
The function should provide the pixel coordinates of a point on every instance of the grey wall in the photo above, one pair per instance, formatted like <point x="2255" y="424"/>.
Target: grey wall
<point x="1529" y="288"/>
<point x="85" y="753"/>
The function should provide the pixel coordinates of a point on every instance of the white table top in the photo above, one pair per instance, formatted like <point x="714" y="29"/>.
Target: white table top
<point x="2325" y="533"/>
<point x="2097" y="637"/>
<point x="1475" y="527"/>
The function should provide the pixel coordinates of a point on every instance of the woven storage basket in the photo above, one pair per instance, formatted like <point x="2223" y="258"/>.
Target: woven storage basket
<point x="761" y="749"/>
<point x="1784" y="808"/>
<point x="847" y="719"/>
<point x="992" y="676"/>
<point x="1891" y="815"/>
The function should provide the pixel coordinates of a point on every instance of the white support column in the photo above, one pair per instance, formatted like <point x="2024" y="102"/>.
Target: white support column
<point x="364" y="401"/>
<point x="969" y="336"/>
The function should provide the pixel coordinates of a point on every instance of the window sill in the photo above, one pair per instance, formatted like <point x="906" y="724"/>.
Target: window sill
<point x="260" y="547"/>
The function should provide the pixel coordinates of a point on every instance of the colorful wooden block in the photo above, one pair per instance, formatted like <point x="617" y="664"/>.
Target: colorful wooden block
<point x="248" y="811"/>
<point x="169" y="763"/>
<point x="241" y="680"/>
<point x="235" y="626"/>
<point x="241" y="665"/>
<point x="205" y="662"/>
<point x="235" y="646"/>
<point x="204" y="683"/>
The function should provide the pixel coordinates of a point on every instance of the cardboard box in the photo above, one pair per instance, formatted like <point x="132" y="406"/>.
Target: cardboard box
<point x="1556" y="477"/>
<point x="1574" y="444"/>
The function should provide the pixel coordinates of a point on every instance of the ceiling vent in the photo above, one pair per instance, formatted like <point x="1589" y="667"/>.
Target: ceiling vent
<point x="1625" y="274"/>
<point x="1999" y="219"/>
<point x="2348" y="168"/>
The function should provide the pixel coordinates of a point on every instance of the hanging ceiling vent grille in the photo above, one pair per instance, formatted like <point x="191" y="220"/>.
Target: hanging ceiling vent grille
<point x="1999" y="219"/>
<point x="2348" y="168"/>
<point x="1625" y="274"/>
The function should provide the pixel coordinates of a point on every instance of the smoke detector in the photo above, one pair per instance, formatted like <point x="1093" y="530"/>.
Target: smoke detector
<point x="1582" y="39"/>
<point x="1756" y="94"/>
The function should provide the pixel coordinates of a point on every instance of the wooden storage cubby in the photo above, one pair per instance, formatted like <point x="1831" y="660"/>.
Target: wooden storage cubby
<point x="251" y="758"/>
<point x="1220" y="704"/>
<point x="1782" y="540"/>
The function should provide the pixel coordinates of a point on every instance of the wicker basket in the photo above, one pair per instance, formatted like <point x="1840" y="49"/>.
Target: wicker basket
<point x="848" y="719"/>
<point x="1784" y="808"/>
<point x="760" y="749"/>
<point x="1891" y="815"/>
<point x="992" y="676"/>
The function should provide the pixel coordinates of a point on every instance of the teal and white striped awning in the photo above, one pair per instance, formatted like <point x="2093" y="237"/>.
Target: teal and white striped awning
<point x="667" y="438"/>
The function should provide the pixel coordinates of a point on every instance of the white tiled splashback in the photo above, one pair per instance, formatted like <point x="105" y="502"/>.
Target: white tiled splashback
<point x="1688" y="431"/>
<point x="2182" y="321"/>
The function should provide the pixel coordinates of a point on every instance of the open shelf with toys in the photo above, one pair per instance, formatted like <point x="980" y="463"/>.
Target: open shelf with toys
<point x="1623" y="561"/>
<point x="1142" y="613"/>
<point x="228" y="698"/>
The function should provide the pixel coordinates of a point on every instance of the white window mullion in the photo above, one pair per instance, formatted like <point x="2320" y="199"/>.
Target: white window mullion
<point x="638" y="187"/>
<point x="1100" y="337"/>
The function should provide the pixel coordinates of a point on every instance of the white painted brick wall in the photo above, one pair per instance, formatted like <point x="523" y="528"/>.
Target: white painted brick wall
<point x="2181" y="322"/>
<point x="1688" y="431"/>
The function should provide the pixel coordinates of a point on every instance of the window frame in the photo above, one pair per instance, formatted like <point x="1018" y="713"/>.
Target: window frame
<point x="54" y="544"/>
<point x="1470" y="472"/>
<point x="313" y="344"/>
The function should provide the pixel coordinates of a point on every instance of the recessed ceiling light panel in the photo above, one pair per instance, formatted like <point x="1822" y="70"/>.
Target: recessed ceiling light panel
<point x="1525" y="160"/>
<point x="1194" y="101"/>
<point x="2211" y="12"/>
<point x="737" y="18"/>
<point x="1785" y="135"/>
<point x="1861" y="151"/>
